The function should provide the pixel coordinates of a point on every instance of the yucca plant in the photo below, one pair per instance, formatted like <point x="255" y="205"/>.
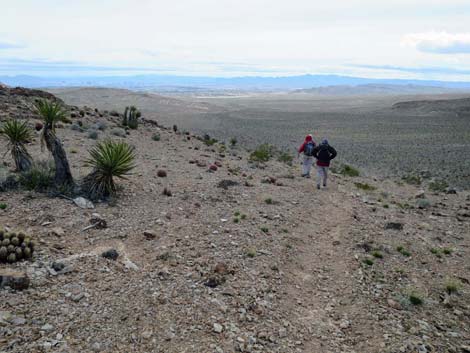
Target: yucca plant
<point x="51" y="113"/>
<point x="109" y="159"/>
<point x="18" y="134"/>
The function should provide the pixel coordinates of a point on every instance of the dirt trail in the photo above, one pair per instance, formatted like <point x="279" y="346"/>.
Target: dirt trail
<point x="323" y="276"/>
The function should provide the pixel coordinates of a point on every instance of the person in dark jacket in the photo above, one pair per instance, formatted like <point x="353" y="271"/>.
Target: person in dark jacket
<point x="323" y="153"/>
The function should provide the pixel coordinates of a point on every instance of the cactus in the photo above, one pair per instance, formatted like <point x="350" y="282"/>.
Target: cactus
<point x="131" y="116"/>
<point x="27" y="253"/>
<point x="11" y="258"/>
<point x="15" y="247"/>
<point x="3" y="253"/>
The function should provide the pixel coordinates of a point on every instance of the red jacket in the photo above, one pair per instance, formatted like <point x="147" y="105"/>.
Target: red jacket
<point x="308" y="139"/>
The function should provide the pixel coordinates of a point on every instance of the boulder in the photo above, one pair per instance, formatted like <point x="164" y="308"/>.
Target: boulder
<point x="14" y="279"/>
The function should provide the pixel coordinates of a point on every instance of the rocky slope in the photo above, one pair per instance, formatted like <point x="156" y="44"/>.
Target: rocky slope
<point x="243" y="258"/>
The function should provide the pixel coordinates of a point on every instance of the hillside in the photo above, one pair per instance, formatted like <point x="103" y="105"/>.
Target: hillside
<point x="248" y="258"/>
<point x="460" y="106"/>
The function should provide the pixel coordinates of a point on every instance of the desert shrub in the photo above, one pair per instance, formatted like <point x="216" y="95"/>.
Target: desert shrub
<point x="82" y="113"/>
<point x="251" y="252"/>
<point x="109" y="160"/>
<point x="377" y="254"/>
<point x="447" y="251"/>
<point x="365" y="186"/>
<point x="76" y="127"/>
<point x="403" y="251"/>
<point x="100" y="125"/>
<point x="368" y="262"/>
<point x="175" y="128"/>
<point x="18" y="134"/>
<point x="348" y="170"/>
<point x="93" y="134"/>
<point x="209" y="141"/>
<point x="3" y="206"/>
<point x="264" y="229"/>
<point x="416" y="298"/>
<point x="233" y="141"/>
<point x="412" y="179"/>
<point x="156" y="137"/>
<point x="269" y="201"/>
<point x="236" y="220"/>
<point x="131" y="117"/>
<point x="262" y="153"/>
<point x="285" y="157"/>
<point x="452" y="286"/>
<point x="118" y="132"/>
<point x="438" y="185"/>
<point x="39" y="178"/>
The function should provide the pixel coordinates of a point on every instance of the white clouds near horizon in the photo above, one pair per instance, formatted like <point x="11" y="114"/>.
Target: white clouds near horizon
<point x="221" y="37"/>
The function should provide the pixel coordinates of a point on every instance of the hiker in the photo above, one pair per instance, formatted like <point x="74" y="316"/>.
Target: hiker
<point x="324" y="153"/>
<point x="307" y="149"/>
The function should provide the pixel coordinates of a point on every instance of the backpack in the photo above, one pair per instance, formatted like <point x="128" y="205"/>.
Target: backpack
<point x="324" y="153"/>
<point x="308" y="149"/>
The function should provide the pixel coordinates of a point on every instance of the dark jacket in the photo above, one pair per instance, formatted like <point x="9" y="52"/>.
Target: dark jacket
<point x="324" y="154"/>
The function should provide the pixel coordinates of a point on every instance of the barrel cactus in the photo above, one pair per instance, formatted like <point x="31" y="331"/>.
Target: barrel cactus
<point x="15" y="246"/>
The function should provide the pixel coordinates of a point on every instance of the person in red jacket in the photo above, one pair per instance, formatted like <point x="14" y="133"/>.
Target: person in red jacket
<point x="307" y="148"/>
<point x="324" y="153"/>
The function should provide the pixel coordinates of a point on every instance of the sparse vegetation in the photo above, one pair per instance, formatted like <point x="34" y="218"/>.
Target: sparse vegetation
<point x="368" y="262"/>
<point x="452" y="286"/>
<point x="39" y="177"/>
<point x="438" y="185"/>
<point x="18" y="134"/>
<point x="403" y="251"/>
<point x="415" y="298"/>
<point x="264" y="229"/>
<point x="209" y="141"/>
<point x="412" y="179"/>
<point x="93" y="134"/>
<point x="269" y="201"/>
<point x="262" y="153"/>
<point x="348" y="170"/>
<point x="109" y="160"/>
<point x="447" y="251"/>
<point x="377" y="254"/>
<point x="365" y="186"/>
<point x="156" y="137"/>
<point x="233" y="141"/>
<point x="251" y="252"/>
<point x="3" y="206"/>
<point x="118" y="132"/>
<point x="286" y="158"/>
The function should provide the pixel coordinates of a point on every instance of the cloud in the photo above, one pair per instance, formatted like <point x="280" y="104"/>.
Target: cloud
<point x="417" y="70"/>
<point x="439" y="42"/>
<point x="6" y="45"/>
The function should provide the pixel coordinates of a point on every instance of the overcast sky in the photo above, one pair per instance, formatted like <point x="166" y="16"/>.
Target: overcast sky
<point x="428" y="39"/>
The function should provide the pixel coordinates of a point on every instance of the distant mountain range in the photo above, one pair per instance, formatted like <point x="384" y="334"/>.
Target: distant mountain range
<point x="329" y="84"/>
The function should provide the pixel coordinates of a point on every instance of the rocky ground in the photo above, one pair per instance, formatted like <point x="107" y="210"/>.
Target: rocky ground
<point x="244" y="258"/>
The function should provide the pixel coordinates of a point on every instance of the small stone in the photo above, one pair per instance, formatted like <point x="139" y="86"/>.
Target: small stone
<point x="83" y="203"/>
<point x="212" y="168"/>
<point x="217" y="328"/>
<point x="58" y="266"/>
<point x="47" y="327"/>
<point x="57" y="231"/>
<point x="96" y="347"/>
<point x="149" y="234"/>
<point x="111" y="254"/>
<point x="18" y="321"/>
<point x="14" y="279"/>
<point x="78" y="297"/>
<point x="394" y="304"/>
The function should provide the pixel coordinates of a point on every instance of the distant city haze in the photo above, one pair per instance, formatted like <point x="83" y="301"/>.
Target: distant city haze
<point x="396" y="39"/>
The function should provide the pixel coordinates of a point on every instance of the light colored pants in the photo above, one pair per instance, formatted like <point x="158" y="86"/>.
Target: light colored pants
<point x="307" y="165"/>
<point x="322" y="174"/>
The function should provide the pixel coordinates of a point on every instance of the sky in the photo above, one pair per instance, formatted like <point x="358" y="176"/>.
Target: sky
<point x="422" y="39"/>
